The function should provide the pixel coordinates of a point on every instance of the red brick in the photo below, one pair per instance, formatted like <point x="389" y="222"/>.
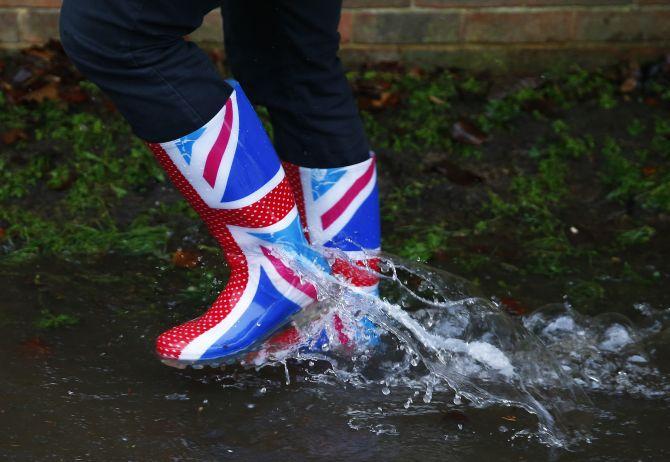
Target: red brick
<point x="32" y="3"/>
<point x="522" y="3"/>
<point x="623" y="26"/>
<point x="344" y="29"/>
<point x="405" y="27"/>
<point x="8" y="30"/>
<point x="518" y="27"/>
<point x="505" y="59"/>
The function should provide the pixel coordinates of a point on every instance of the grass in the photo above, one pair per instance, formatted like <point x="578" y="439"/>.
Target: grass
<point x="61" y="189"/>
<point x="48" y="320"/>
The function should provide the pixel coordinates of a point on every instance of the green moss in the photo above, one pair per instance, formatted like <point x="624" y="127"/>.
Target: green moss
<point x="49" y="320"/>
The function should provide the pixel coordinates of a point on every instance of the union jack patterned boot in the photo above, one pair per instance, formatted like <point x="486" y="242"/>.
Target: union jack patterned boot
<point x="339" y="208"/>
<point x="229" y="172"/>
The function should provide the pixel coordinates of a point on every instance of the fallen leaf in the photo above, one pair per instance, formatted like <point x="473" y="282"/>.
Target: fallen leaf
<point x="46" y="92"/>
<point x="456" y="174"/>
<point x="649" y="171"/>
<point x="12" y="135"/>
<point x="465" y="131"/>
<point x="41" y="53"/>
<point x="436" y="100"/>
<point x="442" y="256"/>
<point x="513" y="307"/>
<point x="544" y="106"/>
<point x="509" y="418"/>
<point x="651" y="101"/>
<point x="109" y="106"/>
<point x="628" y="85"/>
<point x="74" y="95"/>
<point x="416" y="72"/>
<point x="36" y="347"/>
<point x="185" y="258"/>
<point x="385" y="100"/>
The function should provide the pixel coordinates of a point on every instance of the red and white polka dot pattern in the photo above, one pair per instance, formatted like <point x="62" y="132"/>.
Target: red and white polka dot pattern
<point x="270" y="209"/>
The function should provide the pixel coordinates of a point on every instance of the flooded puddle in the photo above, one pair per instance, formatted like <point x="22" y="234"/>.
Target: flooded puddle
<point x="451" y="377"/>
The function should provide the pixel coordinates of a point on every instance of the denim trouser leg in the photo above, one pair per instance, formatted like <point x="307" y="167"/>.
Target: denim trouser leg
<point x="283" y="52"/>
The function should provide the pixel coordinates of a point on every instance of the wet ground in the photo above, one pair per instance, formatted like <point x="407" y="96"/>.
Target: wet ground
<point x="93" y="391"/>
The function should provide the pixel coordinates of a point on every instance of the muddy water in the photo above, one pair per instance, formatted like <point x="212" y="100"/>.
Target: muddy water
<point x="94" y="391"/>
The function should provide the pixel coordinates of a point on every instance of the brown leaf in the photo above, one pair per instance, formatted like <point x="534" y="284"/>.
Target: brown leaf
<point x="628" y="85"/>
<point x="36" y="347"/>
<point x="649" y="171"/>
<point x="436" y="100"/>
<point x="109" y="106"/>
<point x="416" y="72"/>
<point x="442" y="256"/>
<point x="386" y="99"/>
<point x="465" y="131"/>
<point x="651" y="101"/>
<point x="544" y="106"/>
<point x="74" y="95"/>
<point x="456" y="174"/>
<point x="12" y="135"/>
<point x="3" y="233"/>
<point x="46" y="92"/>
<point x="509" y="418"/>
<point x="185" y="258"/>
<point x="513" y="306"/>
<point x="41" y="53"/>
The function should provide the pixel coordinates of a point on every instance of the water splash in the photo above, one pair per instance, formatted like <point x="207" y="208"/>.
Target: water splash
<point x="439" y="334"/>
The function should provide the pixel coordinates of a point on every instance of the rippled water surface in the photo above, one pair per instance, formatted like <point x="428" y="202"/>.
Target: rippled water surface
<point x="451" y="376"/>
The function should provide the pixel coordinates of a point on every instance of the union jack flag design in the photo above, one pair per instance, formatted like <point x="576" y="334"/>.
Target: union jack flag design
<point x="230" y="174"/>
<point x="340" y="209"/>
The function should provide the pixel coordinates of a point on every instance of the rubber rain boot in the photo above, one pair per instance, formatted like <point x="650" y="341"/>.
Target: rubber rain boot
<point x="230" y="174"/>
<point x="339" y="208"/>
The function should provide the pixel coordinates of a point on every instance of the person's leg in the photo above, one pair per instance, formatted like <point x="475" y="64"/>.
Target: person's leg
<point x="284" y="52"/>
<point x="134" y="51"/>
<point x="289" y="63"/>
<point x="214" y="149"/>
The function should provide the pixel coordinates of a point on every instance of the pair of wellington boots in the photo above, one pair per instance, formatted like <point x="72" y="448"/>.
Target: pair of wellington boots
<point x="231" y="175"/>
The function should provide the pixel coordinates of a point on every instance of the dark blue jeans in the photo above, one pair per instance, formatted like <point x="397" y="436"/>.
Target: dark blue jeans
<point x="283" y="52"/>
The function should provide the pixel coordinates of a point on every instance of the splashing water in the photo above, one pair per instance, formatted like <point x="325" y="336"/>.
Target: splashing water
<point x="438" y="334"/>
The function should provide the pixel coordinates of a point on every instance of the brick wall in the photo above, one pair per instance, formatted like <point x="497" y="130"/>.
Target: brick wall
<point x="470" y="33"/>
